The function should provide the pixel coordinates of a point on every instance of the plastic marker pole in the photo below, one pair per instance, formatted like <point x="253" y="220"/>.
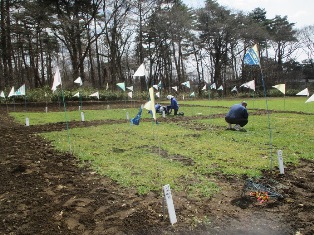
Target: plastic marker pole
<point x="280" y="162"/>
<point x="170" y="206"/>
<point x="27" y="121"/>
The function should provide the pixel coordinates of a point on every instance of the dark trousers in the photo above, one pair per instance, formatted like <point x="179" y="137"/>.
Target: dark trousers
<point x="241" y="121"/>
<point x="169" y="109"/>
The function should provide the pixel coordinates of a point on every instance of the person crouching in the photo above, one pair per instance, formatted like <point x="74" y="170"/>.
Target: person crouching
<point x="237" y="115"/>
<point x="173" y="105"/>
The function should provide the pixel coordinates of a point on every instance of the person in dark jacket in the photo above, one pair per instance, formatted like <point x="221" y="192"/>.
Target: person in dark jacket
<point x="173" y="105"/>
<point x="237" y="115"/>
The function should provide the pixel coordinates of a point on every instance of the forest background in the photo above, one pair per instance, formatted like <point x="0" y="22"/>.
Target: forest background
<point x="105" y="41"/>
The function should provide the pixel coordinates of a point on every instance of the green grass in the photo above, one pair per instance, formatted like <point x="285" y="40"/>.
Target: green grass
<point x="39" y="118"/>
<point x="188" y="155"/>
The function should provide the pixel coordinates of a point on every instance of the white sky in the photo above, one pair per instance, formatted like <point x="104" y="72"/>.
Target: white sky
<point x="300" y="12"/>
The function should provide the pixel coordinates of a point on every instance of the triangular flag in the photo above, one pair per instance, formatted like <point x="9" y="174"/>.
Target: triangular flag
<point x="77" y="94"/>
<point x="304" y="92"/>
<point x="250" y="85"/>
<point x="140" y="72"/>
<point x="175" y="88"/>
<point x="159" y="84"/>
<point x="107" y="86"/>
<point x="11" y="92"/>
<point x="2" y="94"/>
<point x="150" y="105"/>
<point x="252" y="57"/>
<point x="187" y="84"/>
<point x="96" y="94"/>
<point x="192" y="94"/>
<point x="56" y="80"/>
<point x="20" y="91"/>
<point x="79" y="81"/>
<point x="234" y="89"/>
<point x="213" y="86"/>
<point x="311" y="99"/>
<point x="204" y="88"/>
<point x="220" y="88"/>
<point x="130" y="88"/>
<point x="121" y="85"/>
<point x="158" y="94"/>
<point x="156" y="87"/>
<point x="281" y="87"/>
<point x="130" y="94"/>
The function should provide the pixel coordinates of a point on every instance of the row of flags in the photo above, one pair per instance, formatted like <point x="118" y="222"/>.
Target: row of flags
<point x="249" y="84"/>
<point x="18" y="92"/>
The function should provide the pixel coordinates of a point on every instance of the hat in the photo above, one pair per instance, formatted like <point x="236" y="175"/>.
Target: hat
<point x="244" y="103"/>
<point x="169" y="97"/>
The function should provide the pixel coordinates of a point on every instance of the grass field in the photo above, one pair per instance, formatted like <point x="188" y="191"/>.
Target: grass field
<point x="190" y="153"/>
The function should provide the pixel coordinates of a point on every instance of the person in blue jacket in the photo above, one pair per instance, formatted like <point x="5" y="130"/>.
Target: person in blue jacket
<point x="173" y="105"/>
<point x="237" y="115"/>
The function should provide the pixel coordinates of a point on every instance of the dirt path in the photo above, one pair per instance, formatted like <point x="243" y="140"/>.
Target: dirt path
<point x="45" y="192"/>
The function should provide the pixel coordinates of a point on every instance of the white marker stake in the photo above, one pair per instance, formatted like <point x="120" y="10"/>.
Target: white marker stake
<point x="46" y="109"/>
<point x="170" y="206"/>
<point x="127" y="116"/>
<point x="163" y="114"/>
<point x="27" y="121"/>
<point x="82" y="116"/>
<point x="280" y="162"/>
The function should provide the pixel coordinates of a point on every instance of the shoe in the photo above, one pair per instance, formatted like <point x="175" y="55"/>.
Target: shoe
<point x="237" y="127"/>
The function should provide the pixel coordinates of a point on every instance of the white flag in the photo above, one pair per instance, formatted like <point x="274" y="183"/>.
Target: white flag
<point x="130" y="94"/>
<point x="77" y="94"/>
<point x="56" y="80"/>
<point x="107" y="86"/>
<point x="2" y="94"/>
<point x="96" y="94"/>
<point x="79" y="81"/>
<point x="311" y="99"/>
<point x="220" y="88"/>
<point x="213" y="86"/>
<point x="156" y="87"/>
<point x="250" y="85"/>
<point x="11" y="92"/>
<point x="175" y="88"/>
<point x="130" y="88"/>
<point x="204" y="88"/>
<point x="140" y="72"/>
<point x="304" y="92"/>
<point x="158" y="94"/>
<point x="281" y="87"/>
<point x="192" y="94"/>
<point x="20" y="91"/>
<point x="235" y="89"/>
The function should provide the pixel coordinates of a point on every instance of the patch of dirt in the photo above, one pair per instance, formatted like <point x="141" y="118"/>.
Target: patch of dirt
<point x="45" y="192"/>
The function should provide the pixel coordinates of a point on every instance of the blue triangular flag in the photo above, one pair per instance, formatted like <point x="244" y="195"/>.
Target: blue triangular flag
<point x="251" y="57"/>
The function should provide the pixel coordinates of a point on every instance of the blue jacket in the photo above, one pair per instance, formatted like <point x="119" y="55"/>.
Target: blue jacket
<point x="237" y="111"/>
<point x="174" y="103"/>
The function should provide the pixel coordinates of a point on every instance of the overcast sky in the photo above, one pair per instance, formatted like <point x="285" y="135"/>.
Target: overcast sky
<point x="300" y="12"/>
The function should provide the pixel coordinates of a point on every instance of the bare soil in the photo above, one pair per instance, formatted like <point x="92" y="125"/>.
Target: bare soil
<point x="43" y="191"/>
